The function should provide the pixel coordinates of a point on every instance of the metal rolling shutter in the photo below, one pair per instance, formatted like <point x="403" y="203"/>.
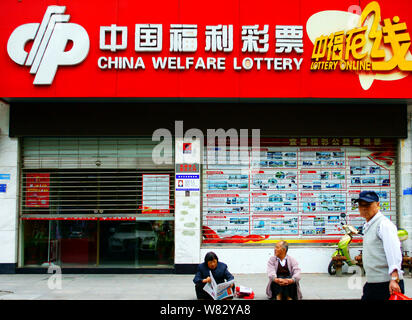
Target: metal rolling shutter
<point x="90" y="177"/>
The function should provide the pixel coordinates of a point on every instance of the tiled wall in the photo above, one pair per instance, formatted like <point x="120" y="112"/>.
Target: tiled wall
<point x="8" y="190"/>
<point x="187" y="211"/>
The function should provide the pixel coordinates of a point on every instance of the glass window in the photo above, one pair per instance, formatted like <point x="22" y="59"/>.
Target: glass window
<point x="82" y="243"/>
<point x="136" y="243"/>
<point x="63" y="243"/>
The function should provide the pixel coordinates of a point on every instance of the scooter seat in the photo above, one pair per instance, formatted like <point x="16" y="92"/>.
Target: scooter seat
<point x="339" y="258"/>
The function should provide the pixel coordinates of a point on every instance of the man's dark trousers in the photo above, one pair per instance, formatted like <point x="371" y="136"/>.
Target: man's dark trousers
<point x="379" y="290"/>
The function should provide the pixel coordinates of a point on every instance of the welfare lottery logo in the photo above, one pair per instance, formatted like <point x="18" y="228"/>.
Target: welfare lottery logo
<point x="51" y="38"/>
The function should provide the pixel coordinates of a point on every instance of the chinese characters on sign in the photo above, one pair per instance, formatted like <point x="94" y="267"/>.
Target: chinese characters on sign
<point x="364" y="142"/>
<point x="38" y="190"/>
<point x="289" y="38"/>
<point x="183" y="38"/>
<point x="148" y="38"/>
<point x="255" y="40"/>
<point x="219" y="38"/>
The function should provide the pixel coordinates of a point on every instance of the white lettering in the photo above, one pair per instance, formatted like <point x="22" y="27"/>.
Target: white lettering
<point x="235" y="66"/>
<point x="139" y="63"/>
<point x="278" y="63"/>
<point x="100" y="64"/>
<point x="177" y="310"/>
<point x="171" y="63"/>
<point x="120" y="63"/>
<point x="211" y="63"/>
<point x="113" y="62"/>
<point x="189" y="62"/>
<point x="200" y="64"/>
<point x="208" y="63"/>
<point x="221" y="63"/>
<point x="298" y="63"/>
<point x="287" y="63"/>
<point x="126" y="63"/>
<point x="159" y="62"/>
<point x="258" y="61"/>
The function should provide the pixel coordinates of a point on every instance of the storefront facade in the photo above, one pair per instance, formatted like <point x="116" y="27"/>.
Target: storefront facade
<point x="141" y="138"/>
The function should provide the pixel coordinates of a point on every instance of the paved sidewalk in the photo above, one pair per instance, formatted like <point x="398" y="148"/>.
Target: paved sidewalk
<point x="163" y="287"/>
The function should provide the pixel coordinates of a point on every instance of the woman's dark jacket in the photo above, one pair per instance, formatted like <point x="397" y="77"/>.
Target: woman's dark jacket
<point x="220" y="274"/>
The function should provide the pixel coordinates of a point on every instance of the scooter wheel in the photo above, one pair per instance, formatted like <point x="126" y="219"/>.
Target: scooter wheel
<point x="331" y="268"/>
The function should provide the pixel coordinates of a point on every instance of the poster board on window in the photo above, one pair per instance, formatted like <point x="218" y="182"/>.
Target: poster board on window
<point x="296" y="189"/>
<point x="156" y="193"/>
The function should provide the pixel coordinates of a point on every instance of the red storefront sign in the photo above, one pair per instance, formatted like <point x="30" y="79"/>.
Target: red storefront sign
<point x="37" y="190"/>
<point x="265" y="49"/>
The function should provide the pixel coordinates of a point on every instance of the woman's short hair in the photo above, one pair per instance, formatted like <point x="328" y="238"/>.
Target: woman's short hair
<point x="210" y="256"/>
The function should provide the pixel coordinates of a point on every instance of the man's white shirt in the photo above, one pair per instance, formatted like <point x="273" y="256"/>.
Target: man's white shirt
<point x="282" y="262"/>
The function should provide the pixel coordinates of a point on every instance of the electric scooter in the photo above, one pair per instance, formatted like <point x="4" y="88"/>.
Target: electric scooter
<point x="406" y="260"/>
<point x="342" y="255"/>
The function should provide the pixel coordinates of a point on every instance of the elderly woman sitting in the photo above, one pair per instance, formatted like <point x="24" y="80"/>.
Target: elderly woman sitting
<point x="284" y="275"/>
<point x="219" y="270"/>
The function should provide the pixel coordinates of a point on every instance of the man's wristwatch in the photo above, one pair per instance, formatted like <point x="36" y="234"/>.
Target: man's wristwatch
<point x="395" y="279"/>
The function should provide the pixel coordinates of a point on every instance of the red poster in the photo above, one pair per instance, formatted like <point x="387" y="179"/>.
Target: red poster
<point x="37" y="190"/>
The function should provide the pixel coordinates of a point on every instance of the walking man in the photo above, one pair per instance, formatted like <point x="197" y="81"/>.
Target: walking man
<point x="382" y="256"/>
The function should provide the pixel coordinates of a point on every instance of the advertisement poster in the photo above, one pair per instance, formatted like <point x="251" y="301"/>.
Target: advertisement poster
<point x="187" y="182"/>
<point x="156" y="193"/>
<point x="296" y="192"/>
<point x="275" y="225"/>
<point x="37" y="190"/>
<point x="274" y="202"/>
